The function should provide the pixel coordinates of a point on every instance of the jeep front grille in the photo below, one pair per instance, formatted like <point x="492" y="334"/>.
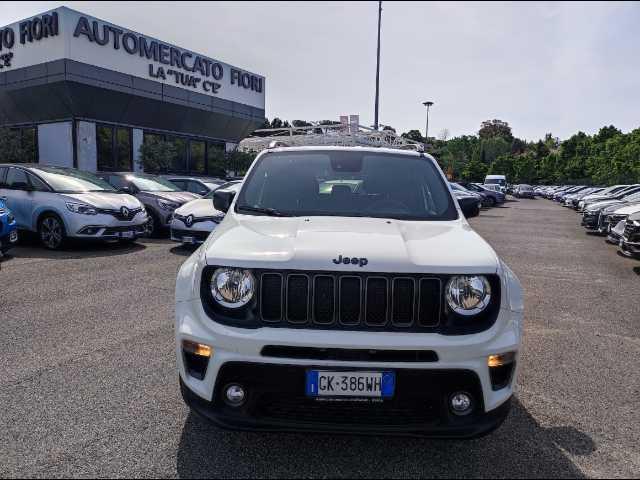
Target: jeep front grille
<point x="349" y="300"/>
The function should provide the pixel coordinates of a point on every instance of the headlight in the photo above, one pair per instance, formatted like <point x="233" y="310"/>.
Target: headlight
<point x="468" y="295"/>
<point x="232" y="287"/>
<point x="169" y="206"/>
<point x="81" y="208"/>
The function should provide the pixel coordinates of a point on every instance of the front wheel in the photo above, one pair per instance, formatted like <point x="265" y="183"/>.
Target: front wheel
<point x="491" y="202"/>
<point x="51" y="232"/>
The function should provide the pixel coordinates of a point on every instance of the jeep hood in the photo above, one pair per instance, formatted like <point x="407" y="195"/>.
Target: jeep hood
<point x="312" y="243"/>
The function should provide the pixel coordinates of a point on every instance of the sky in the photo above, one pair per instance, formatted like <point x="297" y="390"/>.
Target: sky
<point x="543" y="67"/>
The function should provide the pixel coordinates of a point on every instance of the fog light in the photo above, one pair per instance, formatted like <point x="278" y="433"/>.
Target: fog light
<point x="235" y="395"/>
<point x="196" y="358"/>
<point x="501" y="368"/>
<point x="461" y="403"/>
<point x="501" y="359"/>
<point x="197" y="349"/>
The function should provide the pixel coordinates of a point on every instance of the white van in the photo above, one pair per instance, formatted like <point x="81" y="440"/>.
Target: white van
<point x="497" y="180"/>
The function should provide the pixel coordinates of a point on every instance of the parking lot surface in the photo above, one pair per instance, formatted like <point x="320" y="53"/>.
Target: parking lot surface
<point x="88" y="384"/>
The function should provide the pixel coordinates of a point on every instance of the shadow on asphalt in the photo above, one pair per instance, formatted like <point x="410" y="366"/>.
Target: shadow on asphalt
<point x="520" y="448"/>
<point x="184" y="250"/>
<point x="636" y="270"/>
<point x="74" y="250"/>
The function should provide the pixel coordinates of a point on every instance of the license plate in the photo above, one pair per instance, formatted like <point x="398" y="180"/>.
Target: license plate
<point x="350" y="384"/>
<point x="13" y="236"/>
<point x="188" y="240"/>
<point x="127" y="234"/>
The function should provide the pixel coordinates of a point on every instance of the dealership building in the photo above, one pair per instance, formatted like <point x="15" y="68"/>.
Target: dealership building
<point x="85" y="93"/>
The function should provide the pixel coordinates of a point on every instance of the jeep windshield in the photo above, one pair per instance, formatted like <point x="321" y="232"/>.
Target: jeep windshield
<point x="346" y="184"/>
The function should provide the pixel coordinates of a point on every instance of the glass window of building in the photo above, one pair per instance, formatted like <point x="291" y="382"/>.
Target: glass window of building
<point x="179" y="161"/>
<point x="216" y="163"/>
<point x="114" y="148"/>
<point x="104" y="142"/>
<point x="123" y="149"/>
<point x="196" y="157"/>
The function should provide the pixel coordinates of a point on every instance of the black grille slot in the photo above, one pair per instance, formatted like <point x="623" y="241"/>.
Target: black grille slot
<point x="324" y="299"/>
<point x="429" y="302"/>
<point x="297" y="298"/>
<point x="349" y="355"/>
<point x="403" y="301"/>
<point x="271" y="297"/>
<point x="376" y="302"/>
<point x="350" y="301"/>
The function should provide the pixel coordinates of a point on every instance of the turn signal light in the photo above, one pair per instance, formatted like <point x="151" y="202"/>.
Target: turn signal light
<point x="501" y="359"/>
<point x="197" y="349"/>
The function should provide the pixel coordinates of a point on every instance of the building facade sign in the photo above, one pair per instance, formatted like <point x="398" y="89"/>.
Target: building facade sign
<point x="65" y="33"/>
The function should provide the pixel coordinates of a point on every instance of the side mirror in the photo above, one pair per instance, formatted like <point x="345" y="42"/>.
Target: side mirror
<point x="471" y="212"/>
<point x="202" y="193"/>
<point x="125" y="190"/>
<point x="22" y="186"/>
<point x="222" y="200"/>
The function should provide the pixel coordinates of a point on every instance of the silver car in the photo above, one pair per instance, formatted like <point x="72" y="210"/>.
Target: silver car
<point x="194" y="221"/>
<point x="62" y="203"/>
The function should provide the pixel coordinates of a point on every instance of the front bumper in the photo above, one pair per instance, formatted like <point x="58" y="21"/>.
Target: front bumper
<point x="275" y="403"/>
<point x="590" y="221"/>
<point x="105" y="227"/>
<point x="238" y="356"/>
<point x="197" y="234"/>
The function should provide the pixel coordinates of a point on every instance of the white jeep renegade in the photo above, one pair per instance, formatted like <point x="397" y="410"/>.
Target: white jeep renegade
<point x="344" y="291"/>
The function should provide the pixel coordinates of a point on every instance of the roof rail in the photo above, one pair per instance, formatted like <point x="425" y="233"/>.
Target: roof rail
<point x="277" y="144"/>
<point x="412" y="146"/>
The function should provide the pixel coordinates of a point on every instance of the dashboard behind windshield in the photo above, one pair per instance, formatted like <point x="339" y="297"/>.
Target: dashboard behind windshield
<point x="347" y="183"/>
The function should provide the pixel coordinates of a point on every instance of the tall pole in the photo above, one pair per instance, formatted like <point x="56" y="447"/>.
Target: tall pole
<point x="375" y="123"/>
<point x="426" y="131"/>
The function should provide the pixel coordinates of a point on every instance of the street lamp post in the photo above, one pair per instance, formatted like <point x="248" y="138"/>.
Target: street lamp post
<point x="426" y="133"/>
<point x="375" y="123"/>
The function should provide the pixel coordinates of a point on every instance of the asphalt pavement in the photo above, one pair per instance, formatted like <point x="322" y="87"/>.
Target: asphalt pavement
<point x="88" y="385"/>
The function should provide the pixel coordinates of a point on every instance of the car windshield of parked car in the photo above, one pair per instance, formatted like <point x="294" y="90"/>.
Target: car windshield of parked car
<point x="233" y="186"/>
<point x="69" y="180"/>
<point x="495" y="181"/>
<point x="151" y="183"/>
<point x="347" y="184"/>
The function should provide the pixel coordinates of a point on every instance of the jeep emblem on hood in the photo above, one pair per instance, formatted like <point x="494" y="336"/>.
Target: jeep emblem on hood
<point x="353" y="260"/>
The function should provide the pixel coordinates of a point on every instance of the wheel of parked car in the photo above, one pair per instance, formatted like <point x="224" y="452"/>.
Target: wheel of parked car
<point x="51" y="231"/>
<point x="152" y="227"/>
<point x="491" y="202"/>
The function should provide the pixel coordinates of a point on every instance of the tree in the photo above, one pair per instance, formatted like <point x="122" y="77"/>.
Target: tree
<point x="301" y="123"/>
<point x="413" y="135"/>
<point x="495" y="128"/>
<point x="276" y="123"/>
<point x="443" y="136"/>
<point x="156" y="154"/>
<point x="11" y="148"/>
<point x="389" y="128"/>
<point x="475" y="170"/>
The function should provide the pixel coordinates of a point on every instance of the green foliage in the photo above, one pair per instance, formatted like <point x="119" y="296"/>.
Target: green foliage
<point x="239" y="162"/>
<point x="12" y="149"/>
<point x="414" y="135"/>
<point x="156" y="154"/>
<point x="606" y="158"/>
<point x="495" y="128"/>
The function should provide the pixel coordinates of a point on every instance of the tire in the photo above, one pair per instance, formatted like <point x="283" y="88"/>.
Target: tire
<point x="152" y="227"/>
<point x="51" y="232"/>
<point x="491" y="202"/>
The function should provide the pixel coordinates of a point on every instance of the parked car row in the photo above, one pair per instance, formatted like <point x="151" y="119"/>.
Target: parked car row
<point x="472" y="197"/>
<point x="59" y="204"/>
<point x="613" y="211"/>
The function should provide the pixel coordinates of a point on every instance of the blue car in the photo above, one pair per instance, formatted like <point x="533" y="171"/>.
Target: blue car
<point x="8" y="229"/>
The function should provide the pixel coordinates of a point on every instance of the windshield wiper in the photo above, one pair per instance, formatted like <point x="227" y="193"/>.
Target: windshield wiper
<point x="272" y="212"/>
